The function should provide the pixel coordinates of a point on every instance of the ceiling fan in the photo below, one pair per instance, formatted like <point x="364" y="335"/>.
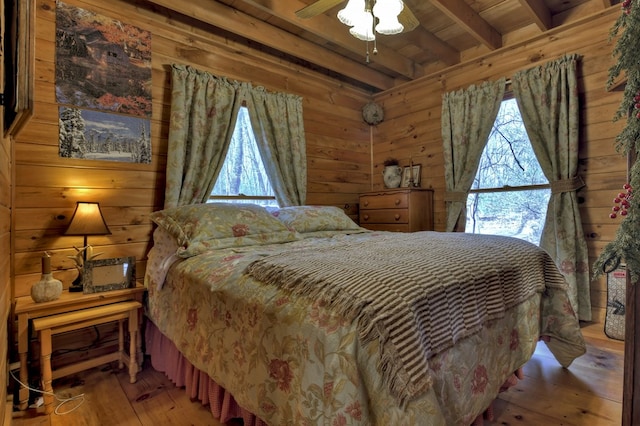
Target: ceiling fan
<point x="362" y="14"/>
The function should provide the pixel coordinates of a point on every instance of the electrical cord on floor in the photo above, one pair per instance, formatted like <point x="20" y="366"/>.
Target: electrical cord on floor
<point x="62" y="401"/>
<point x="94" y="344"/>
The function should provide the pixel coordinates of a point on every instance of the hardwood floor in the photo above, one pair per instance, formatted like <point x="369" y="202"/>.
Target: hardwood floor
<point x="588" y="393"/>
<point x="110" y="400"/>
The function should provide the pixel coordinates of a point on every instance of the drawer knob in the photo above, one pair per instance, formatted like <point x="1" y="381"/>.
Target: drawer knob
<point x="397" y="202"/>
<point x="397" y="216"/>
<point x="365" y="217"/>
<point x="366" y="203"/>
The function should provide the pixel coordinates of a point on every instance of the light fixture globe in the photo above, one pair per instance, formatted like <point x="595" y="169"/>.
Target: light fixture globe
<point x="351" y="12"/>
<point x="363" y="29"/>
<point x="389" y="26"/>
<point x="383" y="8"/>
<point x="387" y="12"/>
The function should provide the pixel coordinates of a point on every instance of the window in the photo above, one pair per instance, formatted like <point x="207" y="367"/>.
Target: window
<point x="510" y="194"/>
<point x="243" y="178"/>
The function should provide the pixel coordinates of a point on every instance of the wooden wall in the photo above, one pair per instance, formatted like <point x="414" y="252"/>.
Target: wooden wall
<point x="5" y="259"/>
<point x="413" y="112"/>
<point x="5" y="243"/>
<point x="47" y="186"/>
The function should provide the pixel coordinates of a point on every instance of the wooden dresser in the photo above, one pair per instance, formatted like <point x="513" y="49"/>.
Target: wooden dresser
<point x="399" y="210"/>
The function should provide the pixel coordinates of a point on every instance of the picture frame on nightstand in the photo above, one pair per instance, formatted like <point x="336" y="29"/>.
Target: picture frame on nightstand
<point x="109" y="274"/>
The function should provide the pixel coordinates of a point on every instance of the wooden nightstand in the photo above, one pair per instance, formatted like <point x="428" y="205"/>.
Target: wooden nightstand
<point x="400" y="210"/>
<point x="70" y="303"/>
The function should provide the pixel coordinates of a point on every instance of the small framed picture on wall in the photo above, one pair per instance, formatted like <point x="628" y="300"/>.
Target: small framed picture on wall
<point x="17" y="47"/>
<point x="411" y="176"/>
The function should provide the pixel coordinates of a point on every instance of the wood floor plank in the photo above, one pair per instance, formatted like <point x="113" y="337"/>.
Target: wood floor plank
<point x="103" y="405"/>
<point x="507" y="413"/>
<point x="589" y="392"/>
<point x="110" y="400"/>
<point x="599" y="367"/>
<point x="157" y="401"/>
<point x="564" y="404"/>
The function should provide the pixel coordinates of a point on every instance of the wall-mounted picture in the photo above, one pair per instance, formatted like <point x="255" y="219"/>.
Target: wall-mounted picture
<point x="102" y="63"/>
<point x="97" y="135"/>
<point x="17" y="49"/>
<point x="411" y="176"/>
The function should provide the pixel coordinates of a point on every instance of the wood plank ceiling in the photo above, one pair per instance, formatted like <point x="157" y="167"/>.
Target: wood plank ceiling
<point x="450" y="32"/>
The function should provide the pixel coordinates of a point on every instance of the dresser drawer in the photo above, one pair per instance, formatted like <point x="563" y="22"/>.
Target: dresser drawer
<point x="385" y="201"/>
<point x="392" y="227"/>
<point x="384" y="216"/>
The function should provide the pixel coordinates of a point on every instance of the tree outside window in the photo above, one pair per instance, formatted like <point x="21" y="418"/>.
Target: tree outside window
<point x="243" y="178"/>
<point x="510" y="194"/>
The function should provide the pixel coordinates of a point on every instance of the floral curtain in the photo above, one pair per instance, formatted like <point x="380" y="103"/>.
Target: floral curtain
<point x="467" y="118"/>
<point x="204" y="109"/>
<point x="277" y="125"/>
<point x="548" y="100"/>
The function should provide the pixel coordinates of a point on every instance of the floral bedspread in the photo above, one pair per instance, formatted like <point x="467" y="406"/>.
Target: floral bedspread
<point x="293" y="361"/>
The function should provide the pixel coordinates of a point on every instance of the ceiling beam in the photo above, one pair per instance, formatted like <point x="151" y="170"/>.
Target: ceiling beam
<point x="316" y="8"/>
<point x="539" y="12"/>
<point x="232" y="20"/>
<point x="462" y="14"/>
<point x="332" y="30"/>
<point x="428" y="41"/>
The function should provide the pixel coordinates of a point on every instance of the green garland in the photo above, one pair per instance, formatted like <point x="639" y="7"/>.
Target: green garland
<point x="626" y="245"/>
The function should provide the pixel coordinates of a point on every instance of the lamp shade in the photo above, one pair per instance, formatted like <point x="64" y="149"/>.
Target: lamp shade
<point x="87" y="219"/>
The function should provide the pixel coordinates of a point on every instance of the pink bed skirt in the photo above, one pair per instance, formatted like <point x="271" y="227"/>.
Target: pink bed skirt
<point x="166" y="358"/>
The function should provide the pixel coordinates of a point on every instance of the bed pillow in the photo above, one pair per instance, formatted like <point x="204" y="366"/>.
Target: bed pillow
<point x="160" y="258"/>
<point x="316" y="219"/>
<point x="201" y="227"/>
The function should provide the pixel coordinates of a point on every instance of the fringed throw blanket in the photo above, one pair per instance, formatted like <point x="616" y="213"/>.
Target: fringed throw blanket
<point x="417" y="293"/>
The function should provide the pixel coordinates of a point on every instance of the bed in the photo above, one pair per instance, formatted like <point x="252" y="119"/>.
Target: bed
<point x="298" y="316"/>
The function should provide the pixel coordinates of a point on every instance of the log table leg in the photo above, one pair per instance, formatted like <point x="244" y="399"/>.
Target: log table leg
<point x="121" y="343"/>
<point x="45" y="368"/>
<point x="133" y="346"/>
<point x="23" y="349"/>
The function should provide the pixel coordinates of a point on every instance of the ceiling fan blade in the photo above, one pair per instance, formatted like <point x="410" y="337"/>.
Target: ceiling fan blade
<point x="316" y="8"/>
<point x="408" y="19"/>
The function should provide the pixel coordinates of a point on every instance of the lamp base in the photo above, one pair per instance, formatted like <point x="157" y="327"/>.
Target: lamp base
<point x="76" y="285"/>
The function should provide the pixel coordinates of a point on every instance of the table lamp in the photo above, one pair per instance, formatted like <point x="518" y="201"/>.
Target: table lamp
<point x="87" y="220"/>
